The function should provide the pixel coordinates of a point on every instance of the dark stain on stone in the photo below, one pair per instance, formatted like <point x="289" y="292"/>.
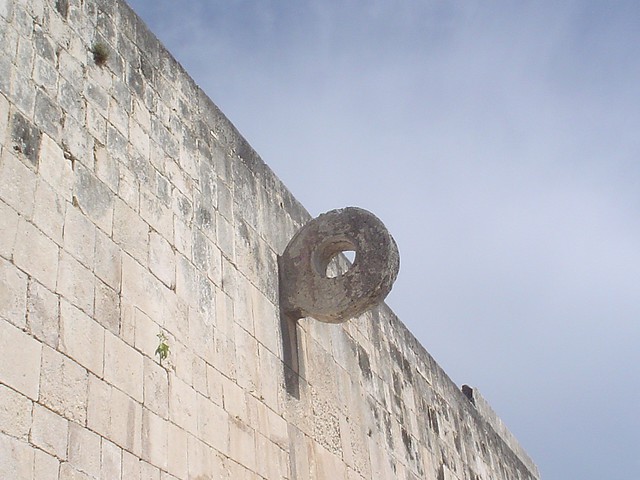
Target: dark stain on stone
<point x="62" y="6"/>
<point x="433" y="420"/>
<point x="408" y="443"/>
<point x="363" y="362"/>
<point x="26" y="138"/>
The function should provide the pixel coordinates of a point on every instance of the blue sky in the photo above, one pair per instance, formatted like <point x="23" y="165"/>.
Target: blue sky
<point x="499" y="141"/>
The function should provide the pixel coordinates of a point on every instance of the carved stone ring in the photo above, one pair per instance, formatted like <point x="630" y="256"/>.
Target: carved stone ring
<point x="305" y="288"/>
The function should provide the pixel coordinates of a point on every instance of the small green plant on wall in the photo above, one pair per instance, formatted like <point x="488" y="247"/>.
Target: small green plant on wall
<point x="100" y="53"/>
<point x="163" y="347"/>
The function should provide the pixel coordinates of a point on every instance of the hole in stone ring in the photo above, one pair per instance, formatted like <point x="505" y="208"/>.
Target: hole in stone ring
<point x="327" y="260"/>
<point x="337" y="266"/>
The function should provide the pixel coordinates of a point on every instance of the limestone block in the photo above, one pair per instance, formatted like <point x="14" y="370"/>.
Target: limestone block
<point x="49" y="431"/>
<point x="238" y="471"/>
<point x="201" y="458"/>
<point x="63" y="386"/>
<point x="36" y="254"/>
<point x="225" y="236"/>
<point x="141" y="114"/>
<point x="16" y="458"/>
<point x="107" y="307"/>
<point x="99" y="406"/>
<point x="123" y="366"/>
<point x="111" y="461"/>
<point x="125" y="421"/>
<point x="271" y="377"/>
<point x="81" y="338"/>
<point x="225" y="200"/>
<point x="96" y="97"/>
<point x="45" y="466"/>
<point x="4" y="108"/>
<point x="278" y="429"/>
<point x="146" y="334"/>
<point x="242" y="447"/>
<point x="9" y="229"/>
<point x="200" y="338"/>
<point x="54" y="168"/>
<point x="214" y="385"/>
<point x="224" y="314"/>
<point x="130" y="231"/>
<point x="13" y="294"/>
<point x="162" y="260"/>
<point x="22" y="376"/>
<point x="182" y="237"/>
<point x="15" y="413"/>
<point x="213" y="425"/>
<point x="266" y="319"/>
<point x="77" y="142"/>
<point x="156" y="214"/>
<point x="108" y="263"/>
<point x="271" y="461"/>
<point x="70" y="100"/>
<point x="79" y="236"/>
<point x="9" y="36"/>
<point x="156" y="388"/>
<point x="186" y="288"/>
<point x="17" y="184"/>
<point x="106" y="167"/>
<point x="242" y="305"/>
<point x="130" y="466"/>
<point x="145" y="291"/>
<point x="25" y="137"/>
<point x="96" y="124"/>
<point x="148" y="471"/>
<point x="182" y="405"/>
<point x="23" y="89"/>
<point x="246" y="360"/>
<point x="49" y="212"/>
<point x="84" y="450"/>
<point x="199" y="374"/>
<point x="139" y="138"/>
<point x="67" y="472"/>
<point x="48" y="114"/>
<point x="119" y="117"/>
<point x="154" y="439"/>
<point x="177" y="445"/>
<point x="75" y="283"/>
<point x="94" y="198"/>
<point x="225" y="356"/>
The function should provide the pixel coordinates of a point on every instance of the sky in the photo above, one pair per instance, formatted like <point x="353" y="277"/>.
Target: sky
<point x="499" y="141"/>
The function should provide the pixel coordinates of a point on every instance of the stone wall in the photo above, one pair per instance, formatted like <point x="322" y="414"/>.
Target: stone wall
<point x="130" y="207"/>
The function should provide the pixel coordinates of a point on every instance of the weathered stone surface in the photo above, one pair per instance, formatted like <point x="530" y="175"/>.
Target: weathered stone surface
<point x="81" y="338"/>
<point x="17" y="184"/>
<point x="75" y="283"/>
<point x="49" y="432"/>
<point x="26" y="138"/>
<point x="37" y="254"/>
<point x="16" y="458"/>
<point x="13" y="294"/>
<point x="63" y="386"/>
<point x="130" y="206"/>
<point x="15" y="413"/>
<point x="23" y="376"/>
<point x="84" y="450"/>
<point x="306" y="289"/>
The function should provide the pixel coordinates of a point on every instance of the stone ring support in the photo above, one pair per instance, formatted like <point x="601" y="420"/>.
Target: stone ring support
<point x="305" y="288"/>
<point x="307" y="291"/>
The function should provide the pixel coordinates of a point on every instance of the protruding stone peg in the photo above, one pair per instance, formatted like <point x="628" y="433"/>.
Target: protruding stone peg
<point x="305" y="288"/>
